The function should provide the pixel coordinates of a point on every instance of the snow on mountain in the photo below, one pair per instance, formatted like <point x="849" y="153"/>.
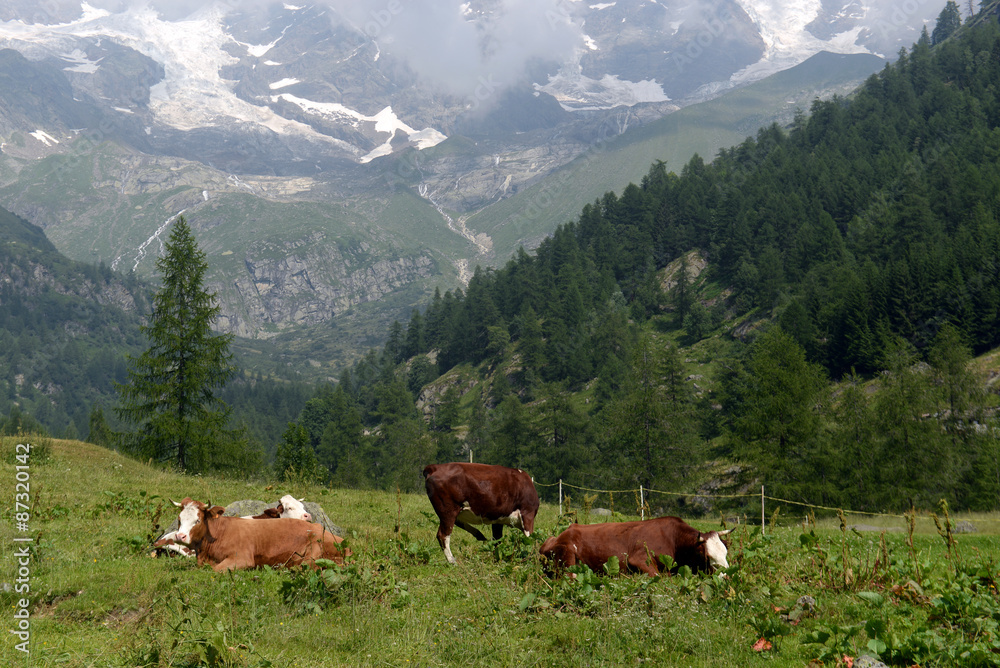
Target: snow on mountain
<point x="783" y="27"/>
<point x="385" y="122"/>
<point x="576" y="92"/>
<point x="224" y="65"/>
<point x="194" y="53"/>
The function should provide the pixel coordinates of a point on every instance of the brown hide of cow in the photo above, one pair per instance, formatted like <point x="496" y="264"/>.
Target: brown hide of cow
<point x="269" y="514"/>
<point x="229" y="543"/>
<point x="493" y="493"/>
<point x="638" y="546"/>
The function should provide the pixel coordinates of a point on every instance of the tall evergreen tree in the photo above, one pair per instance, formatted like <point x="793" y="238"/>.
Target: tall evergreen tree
<point x="773" y="406"/>
<point x="171" y="390"/>
<point x="948" y="21"/>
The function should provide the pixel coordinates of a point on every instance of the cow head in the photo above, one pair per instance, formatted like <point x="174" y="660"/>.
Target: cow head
<point x="293" y="508"/>
<point x="194" y="517"/>
<point x="714" y="548"/>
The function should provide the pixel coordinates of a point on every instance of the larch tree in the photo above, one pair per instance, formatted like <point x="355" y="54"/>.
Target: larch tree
<point x="170" y="393"/>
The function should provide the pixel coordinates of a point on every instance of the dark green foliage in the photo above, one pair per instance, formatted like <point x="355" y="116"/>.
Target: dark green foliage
<point x="295" y="460"/>
<point x="773" y="401"/>
<point x="100" y="433"/>
<point x="948" y="21"/>
<point x="170" y="393"/>
<point x="342" y="434"/>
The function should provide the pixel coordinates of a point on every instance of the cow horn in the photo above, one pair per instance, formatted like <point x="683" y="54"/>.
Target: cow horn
<point x="723" y="533"/>
<point x="302" y="499"/>
<point x="179" y="505"/>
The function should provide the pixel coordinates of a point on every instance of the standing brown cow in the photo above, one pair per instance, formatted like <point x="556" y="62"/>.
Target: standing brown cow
<point x="638" y="546"/>
<point x="466" y="494"/>
<point x="229" y="543"/>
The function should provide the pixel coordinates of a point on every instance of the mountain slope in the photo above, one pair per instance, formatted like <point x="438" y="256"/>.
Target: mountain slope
<point x="65" y="328"/>
<point x="528" y="216"/>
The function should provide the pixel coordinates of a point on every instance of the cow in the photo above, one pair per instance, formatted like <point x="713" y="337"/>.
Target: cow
<point x="638" y="546"/>
<point x="288" y="506"/>
<point x="291" y="507"/>
<point x="466" y="494"/>
<point x="230" y="543"/>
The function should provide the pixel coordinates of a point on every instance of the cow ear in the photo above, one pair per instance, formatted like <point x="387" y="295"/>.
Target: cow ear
<point x="280" y="508"/>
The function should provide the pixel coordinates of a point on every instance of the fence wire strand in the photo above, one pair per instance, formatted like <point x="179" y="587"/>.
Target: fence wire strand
<point x="647" y="491"/>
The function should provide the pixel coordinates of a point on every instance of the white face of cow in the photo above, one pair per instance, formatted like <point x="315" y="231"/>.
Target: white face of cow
<point x="716" y="550"/>
<point x="294" y="509"/>
<point x="189" y="519"/>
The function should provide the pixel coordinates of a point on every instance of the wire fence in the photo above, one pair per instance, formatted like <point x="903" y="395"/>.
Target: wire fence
<point x="643" y="495"/>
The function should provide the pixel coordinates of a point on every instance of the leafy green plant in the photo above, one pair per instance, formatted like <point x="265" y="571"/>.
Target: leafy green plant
<point x="771" y="627"/>
<point x="310" y="591"/>
<point x="126" y="505"/>
<point x="832" y="642"/>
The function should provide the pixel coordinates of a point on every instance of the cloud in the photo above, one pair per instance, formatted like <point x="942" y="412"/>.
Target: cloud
<point x="459" y="48"/>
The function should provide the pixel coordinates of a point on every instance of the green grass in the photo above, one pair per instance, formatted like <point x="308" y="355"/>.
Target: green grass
<point x="97" y="599"/>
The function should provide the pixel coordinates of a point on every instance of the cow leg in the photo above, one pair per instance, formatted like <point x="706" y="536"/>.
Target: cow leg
<point x="445" y="528"/>
<point x="644" y="561"/>
<point x="225" y="565"/>
<point x="471" y="529"/>
<point x="497" y="531"/>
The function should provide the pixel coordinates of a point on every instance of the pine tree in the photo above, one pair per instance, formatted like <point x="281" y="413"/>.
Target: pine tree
<point x="170" y="393"/>
<point x="295" y="459"/>
<point x="948" y="21"/>
<point x="100" y="433"/>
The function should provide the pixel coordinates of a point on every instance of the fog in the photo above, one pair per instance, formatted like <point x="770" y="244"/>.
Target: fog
<point x="442" y="43"/>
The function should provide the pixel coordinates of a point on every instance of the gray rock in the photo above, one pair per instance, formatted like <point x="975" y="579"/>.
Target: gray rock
<point x="600" y="512"/>
<point x="868" y="662"/>
<point x="965" y="526"/>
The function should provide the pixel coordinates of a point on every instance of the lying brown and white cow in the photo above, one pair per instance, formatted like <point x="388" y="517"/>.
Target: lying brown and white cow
<point x="229" y="543"/>
<point x="288" y="506"/>
<point x="465" y="494"/>
<point x="638" y="546"/>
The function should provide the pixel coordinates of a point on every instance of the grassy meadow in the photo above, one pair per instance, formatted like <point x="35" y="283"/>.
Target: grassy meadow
<point x="98" y="599"/>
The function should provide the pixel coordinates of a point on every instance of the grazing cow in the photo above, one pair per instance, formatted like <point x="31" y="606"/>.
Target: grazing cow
<point x="638" y="546"/>
<point x="229" y="543"/>
<point x="466" y="494"/>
